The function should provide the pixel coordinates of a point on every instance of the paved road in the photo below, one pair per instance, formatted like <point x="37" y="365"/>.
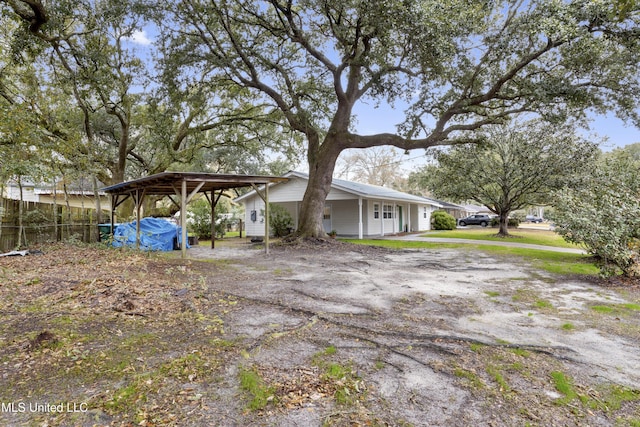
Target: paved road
<point x="420" y="238"/>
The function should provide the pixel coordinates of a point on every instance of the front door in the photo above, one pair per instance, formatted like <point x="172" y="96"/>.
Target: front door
<point x="326" y="218"/>
<point x="400" y="224"/>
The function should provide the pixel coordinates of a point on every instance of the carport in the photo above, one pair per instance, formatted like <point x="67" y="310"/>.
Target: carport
<point x="180" y="187"/>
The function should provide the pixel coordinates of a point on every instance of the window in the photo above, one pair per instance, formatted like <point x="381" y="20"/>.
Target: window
<point x="376" y="211"/>
<point x="327" y="212"/>
<point x="425" y="213"/>
<point x="387" y="211"/>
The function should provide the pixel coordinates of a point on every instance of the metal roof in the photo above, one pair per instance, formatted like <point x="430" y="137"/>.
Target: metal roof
<point x="364" y="190"/>
<point x="167" y="183"/>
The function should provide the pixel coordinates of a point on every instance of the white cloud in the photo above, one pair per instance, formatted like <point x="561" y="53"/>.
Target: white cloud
<point x="140" y="37"/>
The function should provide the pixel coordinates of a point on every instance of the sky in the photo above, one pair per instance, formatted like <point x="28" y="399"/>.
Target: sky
<point x="613" y="132"/>
<point x="608" y="130"/>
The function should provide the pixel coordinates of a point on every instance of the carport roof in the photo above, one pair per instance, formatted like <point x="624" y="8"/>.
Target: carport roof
<point x="167" y="183"/>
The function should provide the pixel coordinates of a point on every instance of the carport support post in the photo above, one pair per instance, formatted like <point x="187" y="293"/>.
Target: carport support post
<point x="360" y="218"/>
<point x="213" y="202"/>
<point x="183" y="218"/>
<point x="138" y="206"/>
<point x="267" y="218"/>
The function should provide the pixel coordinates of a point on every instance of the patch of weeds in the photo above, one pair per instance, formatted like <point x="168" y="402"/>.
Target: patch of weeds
<point x="317" y="359"/>
<point x="34" y="281"/>
<point x="379" y="365"/>
<point x="260" y="394"/>
<point x="543" y="304"/>
<point x="497" y="376"/>
<point x="613" y="396"/>
<point x="330" y="350"/>
<point x="492" y="294"/>
<point x="568" y="327"/>
<point x="348" y="386"/>
<point x="517" y="366"/>
<point x="602" y="308"/>
<point x="473" y="378"/>
<point x="520" y="352"/>
<point x="617" y="309"/>
<point x="502" y="342"/>
<point x="476" y="347"/>
<point x="564" y="385"/>
<point x="346" y="381"/>
<point x="138" y="340"/>
<point x="125" y="398"/>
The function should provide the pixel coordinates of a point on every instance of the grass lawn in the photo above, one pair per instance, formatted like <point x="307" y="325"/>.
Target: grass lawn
<point x="534" y="237"/>
<point x="553" y="262"/>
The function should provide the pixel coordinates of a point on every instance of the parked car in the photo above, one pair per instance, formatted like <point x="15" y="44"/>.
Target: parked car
<point x="533" y="218"/>
<point x="478" y="219"/>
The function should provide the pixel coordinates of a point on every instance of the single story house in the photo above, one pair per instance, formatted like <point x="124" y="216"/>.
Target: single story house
<point x="46" y="194"/>
<point x="351" y="208"/>
<point x="456" y="211"/>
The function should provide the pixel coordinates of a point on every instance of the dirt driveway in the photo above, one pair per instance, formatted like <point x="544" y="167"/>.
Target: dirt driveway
<point x="348" y="335"/>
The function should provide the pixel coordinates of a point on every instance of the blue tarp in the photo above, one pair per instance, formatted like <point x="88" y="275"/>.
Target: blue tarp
<point x="155" y="235"/>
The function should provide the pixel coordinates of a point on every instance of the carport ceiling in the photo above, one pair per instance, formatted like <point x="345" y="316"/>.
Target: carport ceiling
<point x="168" y="183"/>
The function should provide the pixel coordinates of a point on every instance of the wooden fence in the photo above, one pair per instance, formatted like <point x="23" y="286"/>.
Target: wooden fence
<point x="44" y="223"/>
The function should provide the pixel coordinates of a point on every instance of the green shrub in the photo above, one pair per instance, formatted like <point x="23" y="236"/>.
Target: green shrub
<point x="440" y="220"/>
<point x="602" y="214"/>
<point x="199" y="218"/>
<point x="512" y="222"/>
<point x="280" y="220"/>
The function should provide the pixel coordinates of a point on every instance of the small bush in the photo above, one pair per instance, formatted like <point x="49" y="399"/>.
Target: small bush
<point x="440" y="220"/>
<point x="280" y="220"/>
<point x="512" y="222"/>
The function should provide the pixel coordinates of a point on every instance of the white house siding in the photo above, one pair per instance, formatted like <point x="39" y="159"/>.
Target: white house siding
<point x="422" y="217"/>
<point x="256" y="228"/>
<point x="344" y="216"/>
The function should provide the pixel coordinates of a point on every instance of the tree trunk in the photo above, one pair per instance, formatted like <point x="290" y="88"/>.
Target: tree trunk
<point x="321" y="167"/>
<point x="504" y="224"/>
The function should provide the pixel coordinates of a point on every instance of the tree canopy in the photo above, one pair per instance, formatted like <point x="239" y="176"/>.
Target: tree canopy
<point x="276" y="72"/>
<point x="453" y="66"/>
<point x="517" y="166"/>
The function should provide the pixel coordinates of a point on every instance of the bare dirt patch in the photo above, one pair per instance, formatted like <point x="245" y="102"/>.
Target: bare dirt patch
<point x="316" y="334"/>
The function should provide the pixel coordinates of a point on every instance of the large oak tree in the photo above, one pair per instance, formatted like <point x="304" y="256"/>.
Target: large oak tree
<point x="453" y="66"/>
<point x="518" y="166"/>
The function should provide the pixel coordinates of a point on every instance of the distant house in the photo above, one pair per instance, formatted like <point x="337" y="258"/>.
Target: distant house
<point x="351" y="209"/>
<point x="46" y="194"/>
<point x="456" y="211"/>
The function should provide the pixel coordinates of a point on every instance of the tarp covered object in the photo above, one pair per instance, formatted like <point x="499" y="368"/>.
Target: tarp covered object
<point x="155" y="234"/>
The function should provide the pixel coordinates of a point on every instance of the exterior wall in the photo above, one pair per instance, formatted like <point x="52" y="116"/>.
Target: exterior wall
<point x="32" y="194"/>
<point x="256" y="228"/>
<point x="344" y="211"/>
<point x="391" y="225"/>
<point x="344" y="216"/>
<point x="76" y="201"/>
<point x="422" y="218"/>
<point x="28" y="193"/>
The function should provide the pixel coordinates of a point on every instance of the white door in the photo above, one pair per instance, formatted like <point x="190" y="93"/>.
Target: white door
<point x="326" y="218"/>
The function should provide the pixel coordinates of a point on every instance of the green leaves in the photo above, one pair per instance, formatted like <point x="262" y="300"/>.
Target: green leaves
<point x="604" y="214"/>
<point x="519" y="165"/>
